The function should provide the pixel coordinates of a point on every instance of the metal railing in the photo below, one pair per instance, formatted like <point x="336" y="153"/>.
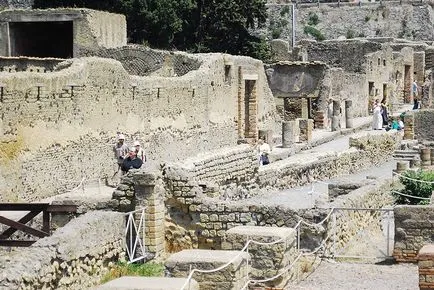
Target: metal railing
<point x="134" y="235"/>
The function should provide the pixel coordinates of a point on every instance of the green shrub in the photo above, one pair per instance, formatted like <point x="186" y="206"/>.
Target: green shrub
<point x="415" y="188"/>
<point x="350" y="34"/>
<point x="284" y="11"/>
<point x="367" y="18"/>
<point x="313" y="19"/>
<point x="276" y="32"/>
<point x="123" y="269"/>
<point x="315" y="33"/>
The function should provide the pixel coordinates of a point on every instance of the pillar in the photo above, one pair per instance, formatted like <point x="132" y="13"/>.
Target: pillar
<point x="349" y="115"/>
<point x="306" y="128"/>
<point x="425" y="157"/>
<point x="336" y="115"/>
<point x="290" y="132"/>
<point x="408" y="127"/>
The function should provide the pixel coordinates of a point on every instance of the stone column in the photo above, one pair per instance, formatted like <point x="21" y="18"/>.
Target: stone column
<point x="401" y="166"/>
<point x="425" y="157"/>
<point x="425" y="260"/>
<point x="432" y="156"/>
<point x="408" y="127"/>
<point x="290" y="132"/>
<point x="306" y="127"/>
<point x="336" y="122"/>
<point x="319" y="120"/>
<point x="349" y="115"/>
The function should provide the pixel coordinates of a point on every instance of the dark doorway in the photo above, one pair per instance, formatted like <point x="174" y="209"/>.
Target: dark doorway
<point x="41" y="39"/>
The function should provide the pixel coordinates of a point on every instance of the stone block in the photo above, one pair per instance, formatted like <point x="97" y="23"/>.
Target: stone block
<point x="267" y="260"/>
<point x="148" y="283"/>
<point x="233" y="276"/>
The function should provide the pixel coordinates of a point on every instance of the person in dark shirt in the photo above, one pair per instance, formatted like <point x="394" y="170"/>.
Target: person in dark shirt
<point x="131" y="161"/>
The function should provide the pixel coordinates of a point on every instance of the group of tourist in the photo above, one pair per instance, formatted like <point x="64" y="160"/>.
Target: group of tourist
<point x="382" y="120"/>
<point x="128" y="157"/>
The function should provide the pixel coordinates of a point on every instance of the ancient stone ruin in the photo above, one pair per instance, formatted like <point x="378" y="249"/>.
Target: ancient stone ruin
<point x="202" y="201"/>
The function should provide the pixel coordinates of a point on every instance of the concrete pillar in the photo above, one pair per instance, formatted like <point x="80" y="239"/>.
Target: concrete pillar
<point x="304" y="108"/>
<point x="401" y="166"/>
<point x="290" y="132"/>
<point x="319" y="120"/>
<point x="349" y="115"/>
<point x="336" y="122"/>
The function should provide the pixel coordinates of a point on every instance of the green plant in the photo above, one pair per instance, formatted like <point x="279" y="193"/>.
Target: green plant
<point x="315" y="33"/>
<point x="276" y="32"/>
<point x="284" y="11"/>
<point x="313" y="19"/>
<point x="123" y="269"/>
<point x="367" y="18"/>
<point x="414" y="187"/>
<point x="361" y="34"/>
<point x="350" y="34"/>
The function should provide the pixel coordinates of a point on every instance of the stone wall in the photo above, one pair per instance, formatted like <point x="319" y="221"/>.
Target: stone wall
<point x="424" y="125"/>
<point x="63" y="261"/>
<point x="348" y="227"/>
<point x="60" y="127"/>
<point x="91" y="28"/>
<point x="143" y="61"/>
<point x="16" y="4"/>
<point x="413" y="229"/>
<point x="426" y="267"/>
<point x="20" y="64"/>
<point x="351" y="20"/>
<point x="367" y="150"/>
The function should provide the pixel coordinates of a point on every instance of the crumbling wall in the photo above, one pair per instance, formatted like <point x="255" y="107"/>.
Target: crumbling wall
<point x="60" y="127"/>
<point x="424" y="125"/>
<point x="413" y="230"/>
<point x="63" y="261"/>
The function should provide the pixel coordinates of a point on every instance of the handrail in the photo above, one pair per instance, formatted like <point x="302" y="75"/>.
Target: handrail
<point x="413" y="179"/>
<point x="412" y="196"/>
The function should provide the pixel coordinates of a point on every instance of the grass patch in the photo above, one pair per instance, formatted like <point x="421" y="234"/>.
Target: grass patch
<point x="123" y="269"/>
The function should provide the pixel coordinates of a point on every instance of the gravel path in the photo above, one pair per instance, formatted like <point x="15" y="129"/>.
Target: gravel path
<point x="332" y="275"/>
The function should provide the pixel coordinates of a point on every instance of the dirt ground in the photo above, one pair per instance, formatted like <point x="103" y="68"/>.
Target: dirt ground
<point x="331" y="275"/>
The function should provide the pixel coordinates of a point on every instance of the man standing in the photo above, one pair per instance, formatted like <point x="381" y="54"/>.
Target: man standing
<point x="131" y="161"/>
<point x="120" y="150"/>
<point x="140" y="152"/>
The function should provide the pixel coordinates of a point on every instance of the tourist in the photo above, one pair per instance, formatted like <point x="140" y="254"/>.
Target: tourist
<point x="414" y="90"/>
<point x="263" y="150"/>
<point x="395" y="125"/>
<point x="384" y="113"/>
<point x="120" y="150"/>
<point x="377" y="121"/>
<point x="131" y="161"/>
<point x="401" y="124"/>
<point x="139" y="151"/>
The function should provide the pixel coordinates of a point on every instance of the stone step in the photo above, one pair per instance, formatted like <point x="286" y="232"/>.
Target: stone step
<point x="232" y="277"/>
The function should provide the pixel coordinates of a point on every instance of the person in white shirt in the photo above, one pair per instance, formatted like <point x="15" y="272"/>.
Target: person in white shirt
<point x="263" y="150"/>
<point x="139" y="150"/>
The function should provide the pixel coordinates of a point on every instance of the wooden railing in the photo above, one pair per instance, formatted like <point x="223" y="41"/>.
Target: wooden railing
<point x="33" y="210"/>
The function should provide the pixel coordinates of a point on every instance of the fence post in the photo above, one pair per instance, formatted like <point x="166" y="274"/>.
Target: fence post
<point x="334" y="232"/>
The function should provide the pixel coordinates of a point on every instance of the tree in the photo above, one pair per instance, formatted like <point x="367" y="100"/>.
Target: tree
<point x="416" y="183"/>
<point x="191" y="25"/>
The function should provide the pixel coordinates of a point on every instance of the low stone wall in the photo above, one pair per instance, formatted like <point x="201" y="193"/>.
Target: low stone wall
<point x="63" y="260"/>
<point x="266" y="260"/>
<point x="233" y="277"/>
<point x="232" y="169"/>
<point x="347" y="225"/>
<point x="426" y="267"/>
<point x="424" y="125"/>
<point x="413" y="229"/>
<point x="366" y="150"/>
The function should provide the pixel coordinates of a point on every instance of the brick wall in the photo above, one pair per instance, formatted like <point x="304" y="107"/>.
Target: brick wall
<point x="426" y="267"/>
<point x="413" y="229"/>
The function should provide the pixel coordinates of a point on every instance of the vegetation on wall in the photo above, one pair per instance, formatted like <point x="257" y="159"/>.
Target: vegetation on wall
<point x="310" y="28"/>
<point x="124" y="269"/>
<point x="190" y="25"/>
<point x="414" y="187"/>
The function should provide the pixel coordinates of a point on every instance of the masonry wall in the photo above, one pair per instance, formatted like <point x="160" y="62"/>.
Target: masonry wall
<point x="60" y="127"/>
<point x="63" y="261"/>
<point x="424" y="125"/>
<point x="367" y="150"/>
<point x="413" y="230"/>
<point x="351" y="20"/>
